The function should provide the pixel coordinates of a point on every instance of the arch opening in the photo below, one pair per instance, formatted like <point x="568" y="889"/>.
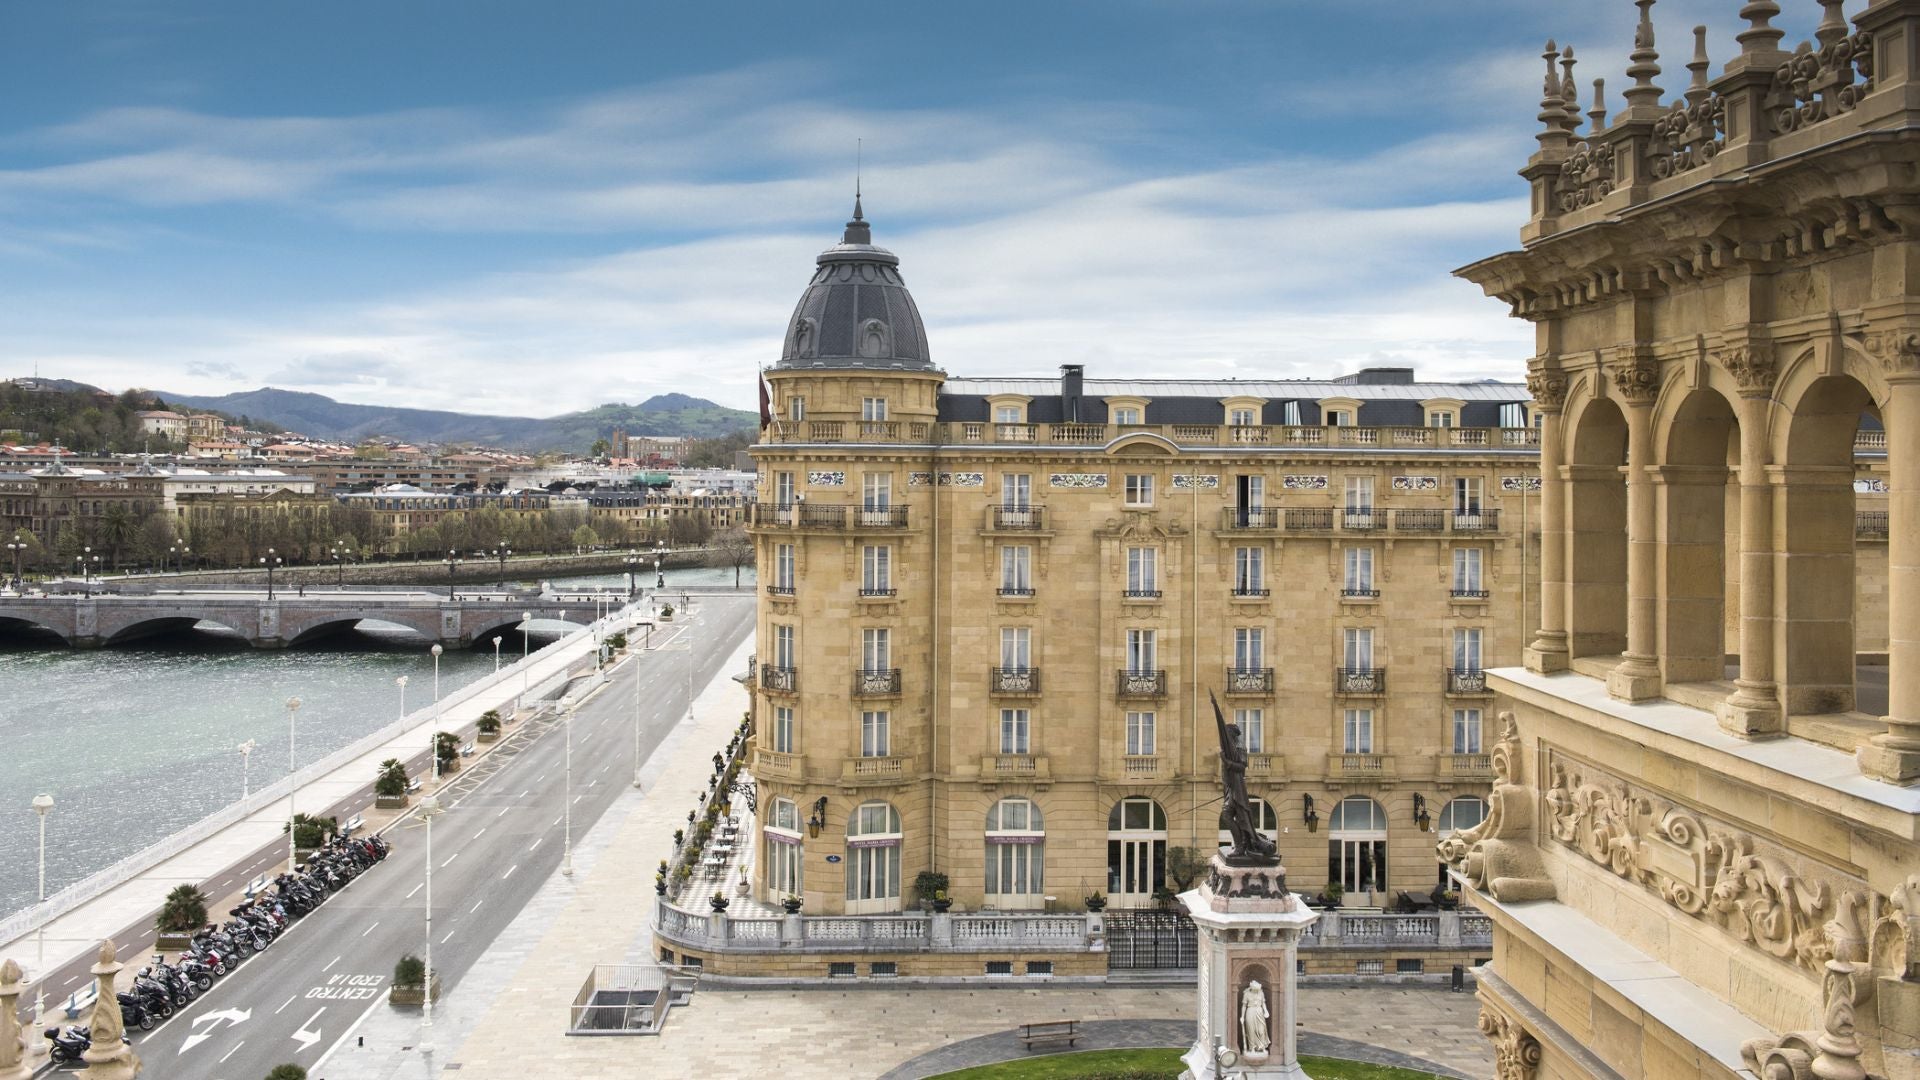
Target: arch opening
<point x="1699" y="518"/>
<point x="1596" y="518"/>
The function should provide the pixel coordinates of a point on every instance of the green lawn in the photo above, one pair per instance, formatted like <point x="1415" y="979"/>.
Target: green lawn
<point x="1154" y="1065"/>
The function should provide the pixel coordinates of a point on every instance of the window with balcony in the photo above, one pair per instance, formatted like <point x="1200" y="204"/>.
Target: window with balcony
<point x="783" y="489"/>
<point x="783" y="850"/>
<point x="1467" y="492"/>
<point x="1143" y="572"/>
<point x="1357" y="652"/>
<point x="1016" y="491"/>
<point x="876" y="491"/>
<point x="1016" y="731"/>
<point x="1466" y="649"/>
<point x="1016" y="854"/>
<point x="1466" y="731"/>
<point x="783" y="567"/>
<point x="783" y="648"/>
<point x="1359" y="576"/>
<point x="1016" y="570"/>
<point x="875" y="737"/>
<point x="1137" y="489"/>
<point x="1140" y="736"/>
<point x="1339" y="418"/>
<point x="783" y="730"/>
<point x="873" y="859"/>
<point x="873" y="409"/>
<point x="876" y="570"/>
<point x="1359" y="494"/>
<point x="1357" y="732"/>
<point x="1357" y="845"/>
<point x="1253" y="726"/>
<point x="1249" y="648"/>
<point x="1016" y="648"/>
<point x="876" y="649"/>
<point x="1440" y="419"/>
<point x="1249" y="571"/>
<point x="1467" y="580"/>
<point x="1143" y="653"/>
<point x="796" y="408"/>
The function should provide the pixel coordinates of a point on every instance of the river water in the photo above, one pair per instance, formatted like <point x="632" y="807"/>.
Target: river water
<point x="138" y="741"/>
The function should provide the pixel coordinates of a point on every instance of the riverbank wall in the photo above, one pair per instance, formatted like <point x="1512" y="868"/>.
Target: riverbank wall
<point x="428" y="571"/>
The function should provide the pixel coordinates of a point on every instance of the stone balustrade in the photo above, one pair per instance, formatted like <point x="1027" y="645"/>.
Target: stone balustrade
<point x="1225" y="436"/>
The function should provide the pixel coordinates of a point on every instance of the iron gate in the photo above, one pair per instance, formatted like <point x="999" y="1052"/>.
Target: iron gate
<point x="1150" y="939"/>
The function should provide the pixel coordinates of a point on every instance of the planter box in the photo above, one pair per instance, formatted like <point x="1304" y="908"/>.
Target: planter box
<point x="488" y="736"/>
<point x="390" y="802"/>
<point x="412" y="997"/>
<point x="173" y="943"/>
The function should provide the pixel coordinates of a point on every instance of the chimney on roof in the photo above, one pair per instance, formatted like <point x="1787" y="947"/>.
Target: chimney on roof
<point x="1379" y="376"/>
<point x="1070" y="384"/>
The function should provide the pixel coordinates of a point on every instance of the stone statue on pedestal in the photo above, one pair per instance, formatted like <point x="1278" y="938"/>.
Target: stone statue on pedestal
<point x="1254" y="1037"/>
<point x="108" y="1058"/>
<point x="1250" y="848"/>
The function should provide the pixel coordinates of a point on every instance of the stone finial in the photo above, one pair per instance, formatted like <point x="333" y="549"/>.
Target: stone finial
<point x="1833" y="23"/>
<point x="1569" y="92"/>
<point x="1760" y="36"/>
<point x="13" y="1047"/>
<point x="1598" y="114"/>
<point x="1553" y="116"/>
<point x="108" y="1058"/>
<point x="1643" y="96"/>
<point x="1697" y="91"/>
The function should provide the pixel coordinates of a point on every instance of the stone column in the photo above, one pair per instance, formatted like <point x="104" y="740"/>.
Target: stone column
<point x="14" y="1063"/>
<point x="1754" y="707"/>
<point x="1548" y="651"/>
<point x="1895" y="754"/>
<point x="108" y="1058"/>
<point x="1637" y="677"/>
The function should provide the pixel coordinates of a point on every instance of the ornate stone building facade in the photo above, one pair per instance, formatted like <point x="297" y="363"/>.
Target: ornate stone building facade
<point x="1702" y="850"/>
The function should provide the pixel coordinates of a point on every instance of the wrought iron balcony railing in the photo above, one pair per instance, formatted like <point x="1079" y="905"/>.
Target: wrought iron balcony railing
<point x="876" y="682"/>
<point x="1360" y="681"/>
<point x="783" y="680"/>
<point x="1250" y="517"/>
<point x="1142" y="594"/>
<point x="1466" y="681"/>
<point x="1419" y="520"/>
<point x="1013" y="681"/>
<point x="1249" y="680"/>
<point x="1019" y="518"/>
<point x="1362" y="519"/>
<point x="1870" y="524"/>
<point x="1017" y="592"/>
<point x="880" y="517"/>
<point x="1251" y="591"/>
<point x="1355" y="592"/>
<point x="1483" y="521"/>
<point x="877" y="592"/>
<point x="1469" y="594"/>
<point x="1142" y="684"/>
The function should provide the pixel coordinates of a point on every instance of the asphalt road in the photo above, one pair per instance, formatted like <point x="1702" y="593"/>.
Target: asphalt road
<point x="500" y="834"/>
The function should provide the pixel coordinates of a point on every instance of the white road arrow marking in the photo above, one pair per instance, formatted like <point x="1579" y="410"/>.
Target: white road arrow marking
<point x="307" y="1038"/>
<point x="212" y="1020"/>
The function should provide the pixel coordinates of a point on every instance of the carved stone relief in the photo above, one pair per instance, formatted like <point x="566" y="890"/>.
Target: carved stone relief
<point x="1498" y="855"/>
<point x="1516" y="1053"/>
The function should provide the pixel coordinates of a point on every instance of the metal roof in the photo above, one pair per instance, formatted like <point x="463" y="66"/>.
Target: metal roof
<point x="1214" y="389"/>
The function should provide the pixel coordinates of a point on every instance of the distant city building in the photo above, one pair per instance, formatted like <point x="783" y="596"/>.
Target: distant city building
<point x="164" y="423"/>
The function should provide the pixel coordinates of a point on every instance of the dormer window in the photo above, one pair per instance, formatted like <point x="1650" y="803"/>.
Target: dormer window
<point x="1126" y="415"/>
<point x="1339" y="418"/>
<point x="1440" y="419"/>
<point x="1008" y="414"/>
<point x="1241" y="417"/>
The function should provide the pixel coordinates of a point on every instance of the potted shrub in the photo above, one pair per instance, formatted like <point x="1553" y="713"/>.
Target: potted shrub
<point x="411" y="984"/>
<point x="928" y="884"/>
<point x="287" y="1072"/>
<point x="488" y="725"/>
<point x="184" y="911"/>
<point x="941" y="903"/>
<point x="666" y="613"/>
<point x="1449" y="900"/>
<point x="660" y="884"/>
<point x="679" y="837"/>
<point x="791" y="903"/>
<point x="718" y="900"/>
<point x="1163" y="898"/>
<point x="390" y="786"/>
<point x="446" y="748"/>
<point x="617" y="641"/>
<point x="1334" y="892"/>
<point x="310" y="832"/>
<point x="1096" y="901"/>
<point x="744" y="887"/>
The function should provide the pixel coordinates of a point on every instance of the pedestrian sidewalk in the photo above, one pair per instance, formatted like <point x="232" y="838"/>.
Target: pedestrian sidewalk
<point x="507" y="1016"/>
<point x="78" y="932"/>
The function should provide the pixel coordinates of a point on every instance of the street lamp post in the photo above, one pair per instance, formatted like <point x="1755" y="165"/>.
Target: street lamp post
<point x="179" y="553"/>
<point x="636" y="719"/>
<point x="401" y="682"/>
<point x="41" y="804"/>
<point x="433" y="740"/>
<point x="501" y="551"/>
<point x="634" y="562"/>
<point x="270" y="560"/>
<point x="526" y="650"/>
<point x="339" y="554"/>
<point x="18" y="547"/>
<point x="452" y="560"/>
<point x="566" y="851"/>
<point x="496" y="654"/>
<point x="293" y="772"/>
<point x="246" y="763"/>
<point x="429" y="807"/>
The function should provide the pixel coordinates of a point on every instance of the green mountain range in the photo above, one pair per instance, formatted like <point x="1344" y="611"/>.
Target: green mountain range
<point x="322" y="417"/>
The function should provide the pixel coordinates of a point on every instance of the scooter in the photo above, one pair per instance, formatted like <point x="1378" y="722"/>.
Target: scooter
<point x="67" y="1045"/>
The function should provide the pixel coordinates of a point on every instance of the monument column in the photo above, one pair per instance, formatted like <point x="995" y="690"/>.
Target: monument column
<point x="1894" y="754"/>
<point x="1548" y="651"/>
<point x="1754" y="707"/>
<point x="1637" y="677"/>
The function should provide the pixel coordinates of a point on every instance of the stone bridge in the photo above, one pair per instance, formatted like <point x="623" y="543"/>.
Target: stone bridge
<point x="95" y="621"/>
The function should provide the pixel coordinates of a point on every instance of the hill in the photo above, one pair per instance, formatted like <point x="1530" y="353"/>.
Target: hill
<point x="323" y="417"/>
<point x="79" y="416"/>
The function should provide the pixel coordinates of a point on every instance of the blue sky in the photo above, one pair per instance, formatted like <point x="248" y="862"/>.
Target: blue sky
<point x="536" y="207"/>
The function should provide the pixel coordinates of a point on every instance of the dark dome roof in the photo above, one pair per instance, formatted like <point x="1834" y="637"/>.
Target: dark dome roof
<point x="856" y="311"/>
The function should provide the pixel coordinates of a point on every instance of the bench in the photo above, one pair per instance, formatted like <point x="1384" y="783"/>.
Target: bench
<point x="1050" y="1031"/>
<point x="353" y="825"/>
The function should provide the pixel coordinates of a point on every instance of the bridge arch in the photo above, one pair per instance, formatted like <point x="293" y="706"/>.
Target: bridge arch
<point x="297" y="628"/>
<point x="120" y="632"/>
<point x="11" y="624"/>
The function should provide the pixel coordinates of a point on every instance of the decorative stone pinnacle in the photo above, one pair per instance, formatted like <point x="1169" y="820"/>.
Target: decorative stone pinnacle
<point x="1697" y="91"/>
<point x="1833" y="23"/>
<point x="1553" y="116"/>
<point x="1569" y="92"/>
<point x="1761" y="36"/>
<point x="1643" y="96"/>
<point x="1598" y="114"/>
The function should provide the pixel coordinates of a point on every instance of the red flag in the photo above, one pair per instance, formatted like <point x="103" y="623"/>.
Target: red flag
<point x="766" y="403"/>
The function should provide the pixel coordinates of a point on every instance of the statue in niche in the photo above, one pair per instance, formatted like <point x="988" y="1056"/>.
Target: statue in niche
<point x="1250" y="848"/>
<point x="1254" y="1036"/>
<point x="803" y="338"/>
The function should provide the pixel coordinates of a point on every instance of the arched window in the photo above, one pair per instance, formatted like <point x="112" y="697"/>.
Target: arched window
<point x="782" y="833"/>
<point x="1016" y="854"/>
<point x="1136" y="851"/>
<point x="1357" y="845"/>
<point x="1462" y="813"/>
<point x="873" y="858"/>
<point x="1269" y="824"/>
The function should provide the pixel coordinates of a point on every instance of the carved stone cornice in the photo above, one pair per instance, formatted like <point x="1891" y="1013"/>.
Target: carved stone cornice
<point x="1753" y="365"/>
<point x="1635" y="374"/>
<point x="1499" y="856"/>
<point x="1897" y="350"/>
<point x="1516" y="1053"/>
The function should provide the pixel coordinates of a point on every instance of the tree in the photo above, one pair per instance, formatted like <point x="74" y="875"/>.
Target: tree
<point x="489" y="722"/>
<point x="410" y="972"/>
<point x="184" y="911"/>
<point x="287" y="1072"/>
<point x="585" y="538"/>
<point x="717" y="453"/>
<point x="732" y="548"/>
<point x="311" y="831"/>
<point x="392" y="779"/>
<point x="601" y="448"/>
<point x="446" y="747"/>
<point x="1184" y="864"/>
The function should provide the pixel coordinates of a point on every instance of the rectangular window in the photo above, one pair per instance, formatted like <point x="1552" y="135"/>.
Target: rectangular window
<point x="1249" y="648"/>
<point x="841" y="969"/>
<point x="884" y="969"/>
<point x="1139" y="489"/>
<point x="1466" y="571"/>
<point x="1016" y="490"/>
<point x="875" y="739"/>
<point x="783" y="729"/>
<point x="999" y="967"/>
<point x="1014" y="731"/>
<point x="1466" y="494"/>
<point x="1339" y="418"/>
<point x="1359" y="648"/>
<point x="876" y="490"/>
<point x="873" y="409"/>
<point x="1440" y="419"/>
<point x="783" y="490"/>
<point x="1359" y="571"/>
<point x="1404" y="966"/>
<point x="796" y="408"/>
<point x="876" y="569"/>
<point x="1513" y="415"/>
<point x="1249" y="570"/>
<point x="1143" y="653"/>
<point x="1359" y="732"/>
<point x="1253" y="725"/>
<point x="1466" y="731"/>
<point x="1359" y="493"/>
<point x="1241" y="417"/>
<point x="1140" y="733"/>
<point x="1250" y="492"/>
<point x="1006" y="414"/>
<point x="783" y="651"/>
<point x="1016" y="570"/>
<point x="1039" y="967"/>
<point x="876" y="649"/>
<point x="783" y="567"/>
<point x="1126" y="416"/>
<point x="1016" y="648"/>
<point x="1466" y="648"/>
<point x="1143" y="578"/>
